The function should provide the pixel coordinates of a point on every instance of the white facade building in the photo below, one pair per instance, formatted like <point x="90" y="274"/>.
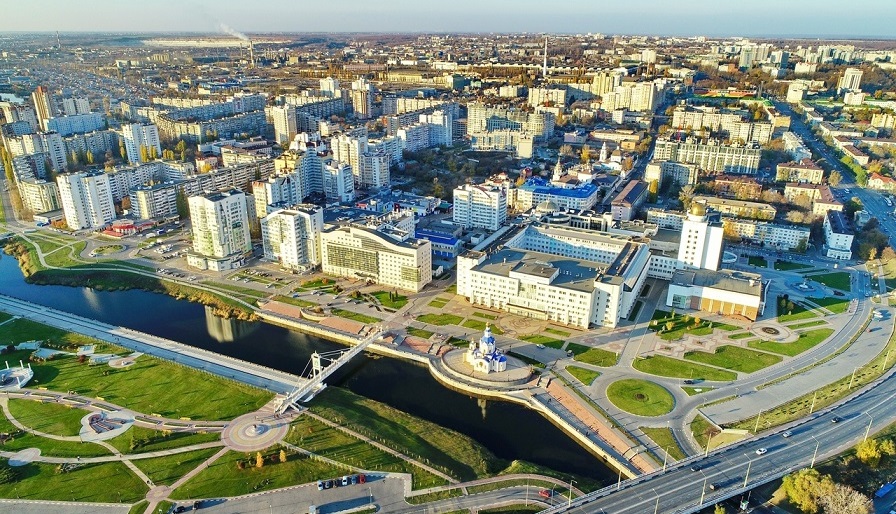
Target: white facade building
<point x="86" y="199"/>
<point x="220" y="223"/>
<point x="292" y="236"/>
<point x="480" y="206"/>
<point x="387" y="256"/>
<point x="141" y="136"/>
<point x="701" y="240"/>
<point x="838" y="236"/>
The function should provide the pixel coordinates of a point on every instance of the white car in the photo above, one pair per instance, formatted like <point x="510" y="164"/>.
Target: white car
<point x="787" y="434"/>
<point x="761" y="451"/>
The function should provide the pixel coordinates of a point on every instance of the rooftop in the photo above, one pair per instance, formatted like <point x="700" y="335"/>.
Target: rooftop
<point x="571" y="273"/>
<point x="631" y="193"/>
<point x="726" y="280"/>
<point x="837" y="221"/>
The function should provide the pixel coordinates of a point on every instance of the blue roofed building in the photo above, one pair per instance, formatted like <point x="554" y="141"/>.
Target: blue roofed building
<point x="537" y="190"/>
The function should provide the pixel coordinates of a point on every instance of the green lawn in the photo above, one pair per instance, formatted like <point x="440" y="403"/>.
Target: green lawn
<point x="671" y="327"/>
<point x="790" y="266"/>
<point x="543" y="339"/>
<point x="796" y="313"/>
<point x="419" y="332"/>
<point x="640" y="397"/>
<point x="593" y="356"/>
<point x="742" y="335"/>
<point x="484" y="315"/>
<point x="702" y="429"/>
<point x="836" y="305"/>
<point x="89" y="483"/>
<point x="475" y="324"/>
<point x="391" y="300"/>
<point x="759" y="262"/>
<point x="806" y="340"/>
<point x="438" y="303"/>
<point x="48" y="447"/>
<point x="224" y="478"/>
<point x="150" y="385"/>
<point x="808" y="324"/>
<point x="557" y="332"/>
<point x="298" y="302"/>
<point x="693" y="391"/>
<point x="51" y="418"/>
<point x="735" y="358"/>
<point x="668" y="367"/>
<point x="166" y="470"/>
<point x="440" y="319"/>
<point x="142" y="440"/>
<point x="445" y="449"/>
<point x="665" y="441"/>
<point x="583" y="375"/>
<point x="312" y="435"/>
<point x="360" y="318"/>
<point x="836" y="280"/>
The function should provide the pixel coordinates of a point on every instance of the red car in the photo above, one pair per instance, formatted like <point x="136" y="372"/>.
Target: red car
<point x="544" y="493"/>
<point x="362" y="478"/>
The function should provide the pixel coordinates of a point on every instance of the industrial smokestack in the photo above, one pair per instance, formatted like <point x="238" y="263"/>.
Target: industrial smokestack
<point x="544" y="67"/>
<point x="251" y="55"/>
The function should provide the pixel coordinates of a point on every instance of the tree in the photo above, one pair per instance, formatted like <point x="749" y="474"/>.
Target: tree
<point x="720" y="509"/>
<point x="652" y="190"/>
<point x="802" y="489"/>
<point x="796" y="217"/>
<point x="566" y="151"/>
<point x="842" y="499"/>
<point x="802" y="246"/>
<point x="282" y="456"/>
<point x="686" y="196"/>
<point x="872" y="253"/>
<point x="868" y="451"/>
<point x="586" y="154"/>
<point x="183" y="207"/>
<point x="887" y="254"/>
<point x="259" y="460"/>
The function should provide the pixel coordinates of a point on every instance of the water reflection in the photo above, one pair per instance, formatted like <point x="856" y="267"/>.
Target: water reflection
<point x="226" y="330"/>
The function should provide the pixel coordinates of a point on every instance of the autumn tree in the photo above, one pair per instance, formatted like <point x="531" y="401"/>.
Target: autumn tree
<point x="868" y="451"/>
<point x="259" y="460"/>
<point x="282" y="456"/>
<point x="720" y="509"/>
<point x="842" y="499"/>
<point x="887" y="254"/>
<point x="586" y="154"/>
<point x="802" y="489"/>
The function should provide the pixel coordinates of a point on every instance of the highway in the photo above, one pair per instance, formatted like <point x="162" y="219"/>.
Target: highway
<point x="736" y="469"/>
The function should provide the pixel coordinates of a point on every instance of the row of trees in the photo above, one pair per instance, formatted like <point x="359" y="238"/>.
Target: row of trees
<point x="811" y="492"/>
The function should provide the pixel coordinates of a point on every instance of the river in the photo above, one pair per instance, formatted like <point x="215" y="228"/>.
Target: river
<point x="510" y="431"/>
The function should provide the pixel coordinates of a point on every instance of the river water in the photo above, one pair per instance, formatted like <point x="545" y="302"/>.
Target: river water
<point x="510" y="431"/>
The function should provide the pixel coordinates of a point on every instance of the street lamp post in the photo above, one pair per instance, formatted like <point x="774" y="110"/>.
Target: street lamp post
<point x="656" y="509"/>
<point x="868" y="430"/>
<point x="665" y="457"/>
<point x="814" y="455"/>
<point x="709" y="440"/>
<point x="747" y="474"/>
<point x="619" y="482"/>
<point x="569" y="503"/>
<point x="812" y="407"/>
<point x="758" y="417"/>
<point x="703" y="493"/>
<point x="853" y="377"/>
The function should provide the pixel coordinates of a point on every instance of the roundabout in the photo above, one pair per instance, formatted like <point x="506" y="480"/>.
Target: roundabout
<point x="255" y="431"/>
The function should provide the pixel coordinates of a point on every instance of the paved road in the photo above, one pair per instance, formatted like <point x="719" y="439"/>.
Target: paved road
<point x="679" y="490"/>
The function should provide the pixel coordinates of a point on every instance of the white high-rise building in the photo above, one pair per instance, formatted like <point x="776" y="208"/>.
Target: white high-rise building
<point x="39" y="195"/>
<point x="138" y="136"/>
<point x="701" y="240"/>
<point x="330" y="87"/>
<point x="348" y="149"/>
<point x="49" y="143"/>
<point x="338" y="182"/>
<point x="362" y="98"/>
<point x="86" y="199"/>
<point x="284" y="123"/>
<point x="73" y="106"/>
<point x="284" y="188"/>
<point x="292" y="236"/>
<point x="44" y="105"/>
<point x="851" y="80"/>
<point x="480" y="206"/>
<point x="374" y="172"/>
<point x="220" y="230"/>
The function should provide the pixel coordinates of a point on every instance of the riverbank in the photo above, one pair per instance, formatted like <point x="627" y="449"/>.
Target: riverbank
<point x="102" y="278"/>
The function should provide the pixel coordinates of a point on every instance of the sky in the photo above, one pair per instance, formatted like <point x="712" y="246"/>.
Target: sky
<point x="811" y="18"/>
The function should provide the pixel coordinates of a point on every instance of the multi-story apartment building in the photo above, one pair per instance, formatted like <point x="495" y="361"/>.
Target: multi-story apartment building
<point x="838" y="237"/>
<point x="220" y="222"/>
<point x="76" y="123"/>
<point x="804" y="171"/>
<point x="86" y="199"/>
<point x="711" y="156"/>
<point x="285" y="188"/>
<point x="49" y="143"/>
<point x="770" y="235"/>
<point x="292" y="236"/>
<point x="672" y="172"/>
<point x="738" y="208"/>
<point x="385" y="255"/>
<point x="821" y="198"/>
<point x="154" y="202"/>
<point x="73" y="105"/>
<point x="141" y="141"/>
<point x="39" y="195"/>
<point x="480" y="206"/>
<point x="44" y="106"/>
<point x="626" y="204"/>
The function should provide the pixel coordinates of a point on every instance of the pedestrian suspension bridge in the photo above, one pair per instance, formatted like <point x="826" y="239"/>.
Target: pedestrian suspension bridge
<point x="321" y="366"/>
